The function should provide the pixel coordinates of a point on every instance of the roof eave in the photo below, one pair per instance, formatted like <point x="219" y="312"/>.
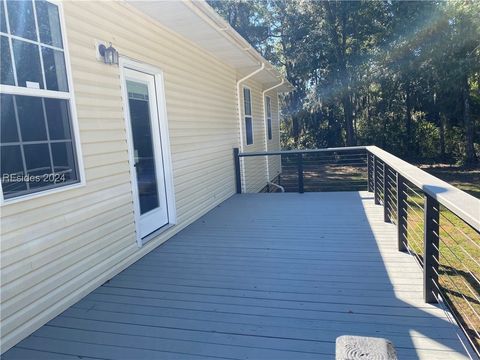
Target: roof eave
<point x="221" y="29"/>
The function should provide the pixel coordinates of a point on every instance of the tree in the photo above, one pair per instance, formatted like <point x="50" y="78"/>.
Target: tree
<point x="402" y="75"/>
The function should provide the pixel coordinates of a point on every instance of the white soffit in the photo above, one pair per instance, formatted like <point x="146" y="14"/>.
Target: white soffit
<point x="198" y="22"/>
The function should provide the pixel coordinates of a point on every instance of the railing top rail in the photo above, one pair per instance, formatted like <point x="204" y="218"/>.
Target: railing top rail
<point x="464" y="205"/>
<point x="306" y="151"/>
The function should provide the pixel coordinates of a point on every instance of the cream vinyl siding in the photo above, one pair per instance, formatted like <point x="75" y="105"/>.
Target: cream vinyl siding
<point x="59" y="247"/>
<point x="274" y="162"/>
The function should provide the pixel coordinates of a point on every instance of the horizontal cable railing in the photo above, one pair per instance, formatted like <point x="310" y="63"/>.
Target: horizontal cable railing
<point x="339" y="169"/>
<point x="438" y="224"/>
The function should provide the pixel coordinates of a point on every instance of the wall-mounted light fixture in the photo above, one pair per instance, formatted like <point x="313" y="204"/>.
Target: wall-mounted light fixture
<point x="109" y="54"/>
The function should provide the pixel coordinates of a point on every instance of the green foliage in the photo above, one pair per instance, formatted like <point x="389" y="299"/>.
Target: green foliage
<point x="427" y="137"/>
<point x="454" y="144"/>
<point x="401" y="75"/>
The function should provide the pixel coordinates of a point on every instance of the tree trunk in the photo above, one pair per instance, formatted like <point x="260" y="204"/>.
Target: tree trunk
<point x="295" y="129"/>
<point x="332" y="129"/>
<point x="439" y="120"/>
<point x="408" y="120"/>
<point x="385" y="120"/>
<point x="469" y="127"/>
<point x="339" y="38"/>
<point x="442" y="126"/>
<point x="358" y="106"/>
<point x="368" y="109"/>
<point x="347" y="111"/>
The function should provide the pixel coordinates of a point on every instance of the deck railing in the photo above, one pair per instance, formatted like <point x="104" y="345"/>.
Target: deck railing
<point x="333" y="169"/>
<point x="437" y="223"/>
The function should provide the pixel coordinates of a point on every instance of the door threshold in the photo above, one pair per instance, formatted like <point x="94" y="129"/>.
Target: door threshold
<point x="156" y="233"/>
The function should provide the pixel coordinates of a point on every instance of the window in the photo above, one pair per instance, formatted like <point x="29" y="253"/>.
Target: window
<point x="37" y="142"/>
<point x="247" y="112"/>
<point x="268" y="113"/>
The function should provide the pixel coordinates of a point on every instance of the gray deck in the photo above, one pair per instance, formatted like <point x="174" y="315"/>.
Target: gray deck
<point x="262" y="276"/>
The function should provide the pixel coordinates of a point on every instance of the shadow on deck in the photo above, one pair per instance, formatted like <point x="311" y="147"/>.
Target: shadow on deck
<point x="262" y="276"/>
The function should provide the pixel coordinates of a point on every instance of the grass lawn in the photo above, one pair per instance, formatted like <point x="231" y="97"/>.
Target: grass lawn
<point x="459" y="272"/>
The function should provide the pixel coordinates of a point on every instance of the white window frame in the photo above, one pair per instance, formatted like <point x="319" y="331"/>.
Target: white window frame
<point x="268" y="118"/>
<point x="18" y="90"/>
<point x="250" y="116"/>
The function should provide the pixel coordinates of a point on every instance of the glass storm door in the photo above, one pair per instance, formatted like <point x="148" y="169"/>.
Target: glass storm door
<point x="147" y="151"/>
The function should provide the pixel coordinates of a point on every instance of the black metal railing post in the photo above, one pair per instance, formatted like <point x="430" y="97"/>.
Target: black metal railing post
<point x="300" y="172"/>
<point x="431" y="249"/>
<point x="369" y="173"/>
<point x="401" y="213"/>
<point x="387" y="204"/>
<point x="376" y="192"/>
<point x="238" y="178"/>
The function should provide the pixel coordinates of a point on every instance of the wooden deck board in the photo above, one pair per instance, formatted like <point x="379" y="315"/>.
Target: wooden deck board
<point x="263" y="276"/>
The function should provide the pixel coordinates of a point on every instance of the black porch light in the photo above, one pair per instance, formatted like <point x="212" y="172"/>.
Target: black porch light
<point x="109" y="54"/>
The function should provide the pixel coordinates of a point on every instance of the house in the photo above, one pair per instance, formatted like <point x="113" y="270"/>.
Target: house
<point x="104" y="160"/>
<point x="125" y="124"/>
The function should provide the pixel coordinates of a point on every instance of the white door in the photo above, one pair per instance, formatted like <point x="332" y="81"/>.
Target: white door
<point x="146" y="148"/>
